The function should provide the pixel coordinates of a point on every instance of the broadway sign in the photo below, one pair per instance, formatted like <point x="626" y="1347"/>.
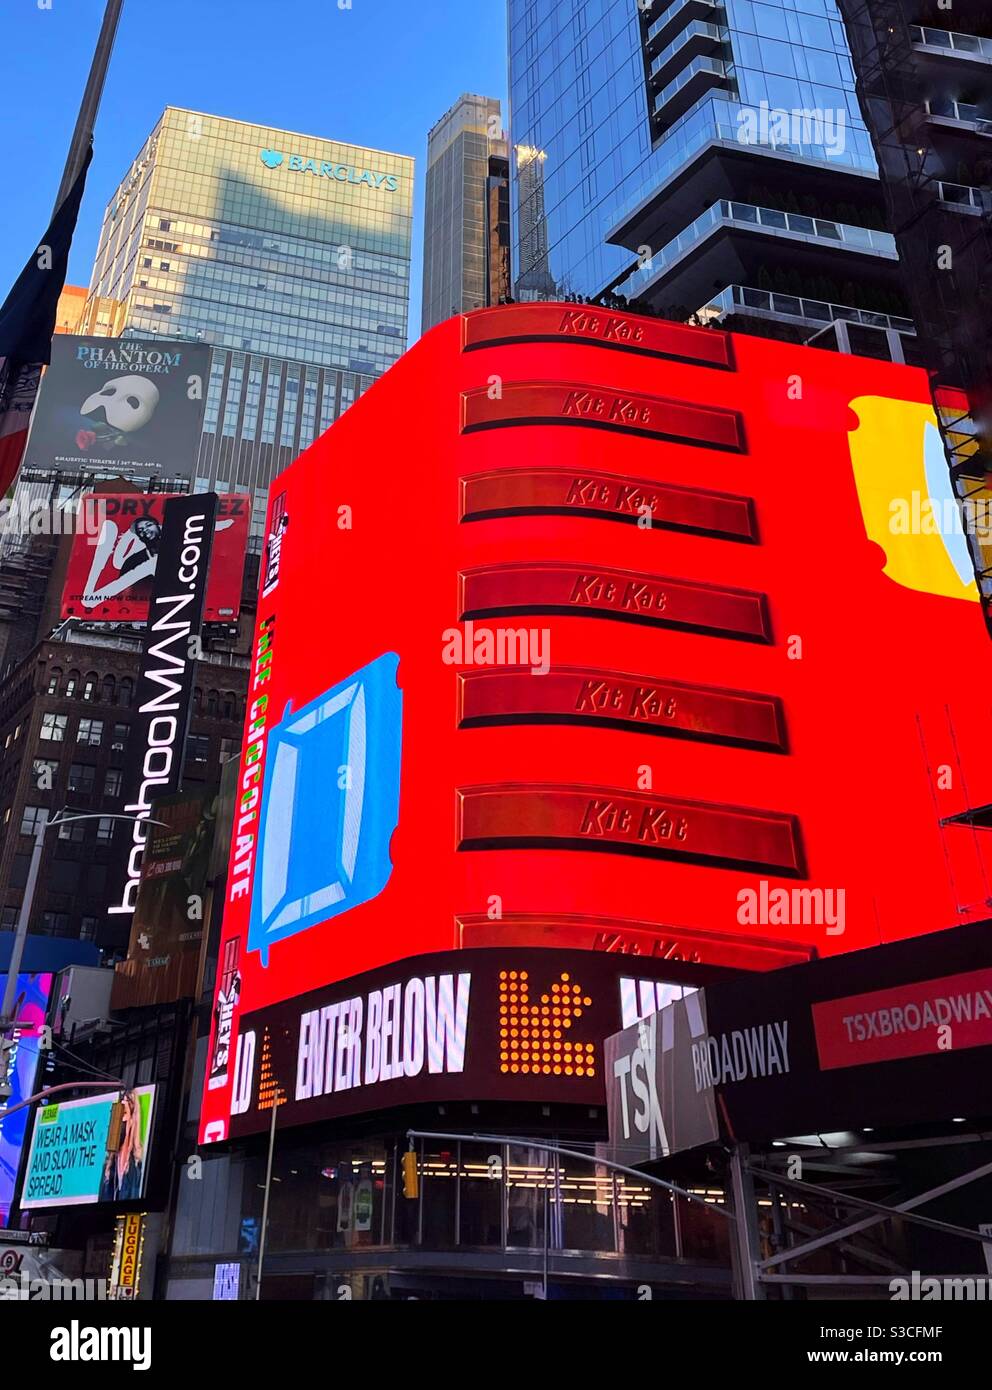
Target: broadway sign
<point x="895" y="1035"/>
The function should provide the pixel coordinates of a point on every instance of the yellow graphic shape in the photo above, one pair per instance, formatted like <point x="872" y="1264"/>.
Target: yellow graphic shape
<point x="906" y="497"/>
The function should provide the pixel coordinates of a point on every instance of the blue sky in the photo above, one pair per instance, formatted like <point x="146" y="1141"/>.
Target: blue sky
<point x="378" y="74"/>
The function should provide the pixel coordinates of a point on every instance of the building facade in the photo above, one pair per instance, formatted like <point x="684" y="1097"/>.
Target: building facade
<point x="466" y="214"/>
<point x="65" y="722"/>
<point x="925" y="86"/>
<point x="287" y="253"/>
<point x="707" y="160"/>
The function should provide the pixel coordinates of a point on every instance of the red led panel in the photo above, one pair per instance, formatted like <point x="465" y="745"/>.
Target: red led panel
<point x="735" y="729"/>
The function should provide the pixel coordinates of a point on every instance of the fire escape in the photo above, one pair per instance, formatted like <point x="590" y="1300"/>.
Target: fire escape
<point x="946" y="254"/>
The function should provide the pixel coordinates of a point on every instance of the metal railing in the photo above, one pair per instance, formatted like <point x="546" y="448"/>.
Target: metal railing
<point x="748" y="214"/>
<point x="973" y="45"/>
<point x="964" y="195"/>
<point x="697" y="29"/>
<point x="959" y="111"/>
<point x="714" y="128"/>
<point x="743" y="297"/>
<point x="669" y="13"/>
<point x="714" y="67"/>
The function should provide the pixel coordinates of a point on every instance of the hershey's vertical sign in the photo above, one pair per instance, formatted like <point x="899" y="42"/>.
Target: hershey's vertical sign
<point x="165" y="686"/>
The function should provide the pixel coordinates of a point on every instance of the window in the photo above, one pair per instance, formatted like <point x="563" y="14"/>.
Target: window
<point x="104" y="828"/>
<point x="8" y="918"/>
<point x="109" y="690"/>
<point x="90" y="732"/>
<point x="43" y="772"/>
<point x="74" y="831"/>
<point x="55" y="923"/>
<point x="87" y="929"/>
<point x="53" y="727"/>
<point x="89" y="686"/>
<point x="197" y="748"/>
<point x="229" y="747"/>
<point x="32" y="817"/>
<point x="54" y="679"/>
<point x="119" y="739"/>
<point x="112" y="782"/>
<point x="125" y="692"/>
<point x="81" y="776"/>
<point x="72" y="684"/>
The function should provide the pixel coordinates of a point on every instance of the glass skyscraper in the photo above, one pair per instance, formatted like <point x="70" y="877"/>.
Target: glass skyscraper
<point x="708" y="159"/>
<point x="466" y="237"/>
<point x="288" y="254"/>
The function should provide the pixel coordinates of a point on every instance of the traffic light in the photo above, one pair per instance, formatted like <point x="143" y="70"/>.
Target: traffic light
<point x="411" y="1183"/>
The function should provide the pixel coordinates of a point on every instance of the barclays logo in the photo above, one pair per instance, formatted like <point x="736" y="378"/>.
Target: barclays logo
<point x="324" y="169"/>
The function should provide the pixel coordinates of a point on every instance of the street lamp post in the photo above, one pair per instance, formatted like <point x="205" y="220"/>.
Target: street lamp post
<point x="27" y="902"/>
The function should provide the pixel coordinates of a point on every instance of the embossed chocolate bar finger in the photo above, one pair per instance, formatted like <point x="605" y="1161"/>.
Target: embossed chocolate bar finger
<point x="562" y="323"/>
<point x="601" y="407"/>
<point x="585" y="696"/>
<point x="625" y="595"/>
<point x="611" y="819"/>
<point x="609" y="497"/>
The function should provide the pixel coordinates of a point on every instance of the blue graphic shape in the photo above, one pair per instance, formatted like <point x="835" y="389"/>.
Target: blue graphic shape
<point x="324" y="848"/>
<point x="944" y="503"/>
<point x="270" y="158"/>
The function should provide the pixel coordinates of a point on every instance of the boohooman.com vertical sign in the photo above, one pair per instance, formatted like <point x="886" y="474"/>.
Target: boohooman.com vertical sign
<point x="165" y="685"/>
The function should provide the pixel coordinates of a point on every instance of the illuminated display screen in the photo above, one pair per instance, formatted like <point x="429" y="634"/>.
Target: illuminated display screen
<point x="671" y="667"/>
<point x="69" y="1162"/>
<point x="30" y="1006"/>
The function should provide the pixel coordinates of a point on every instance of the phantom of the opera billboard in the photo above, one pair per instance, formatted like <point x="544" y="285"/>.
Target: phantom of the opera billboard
<point x="647" y="640"/>
<point x="127" y="406"/>
<point x="109" y="576"/>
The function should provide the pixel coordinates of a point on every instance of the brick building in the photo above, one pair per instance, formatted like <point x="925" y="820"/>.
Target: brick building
<point x="65" y="719"/>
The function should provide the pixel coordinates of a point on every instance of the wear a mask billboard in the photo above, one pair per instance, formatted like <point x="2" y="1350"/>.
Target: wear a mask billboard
<point x="78" y="1156"/>
<point x="589" y="631"/>
<point x="128" y="406"/>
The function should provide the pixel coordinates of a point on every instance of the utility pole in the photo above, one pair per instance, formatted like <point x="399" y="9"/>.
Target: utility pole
<point x="82" y="135"/>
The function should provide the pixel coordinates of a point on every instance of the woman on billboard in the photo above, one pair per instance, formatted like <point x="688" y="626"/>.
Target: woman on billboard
<point x="123" y="1171"/>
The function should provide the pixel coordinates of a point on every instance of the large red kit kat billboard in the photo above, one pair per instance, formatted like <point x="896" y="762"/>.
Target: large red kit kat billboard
<point x="592" y="632"/>
<point x="109" y="575"/>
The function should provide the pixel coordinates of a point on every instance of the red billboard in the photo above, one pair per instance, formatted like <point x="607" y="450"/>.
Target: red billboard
<point x="110" y="573"/>
<point x="591" y="631"/>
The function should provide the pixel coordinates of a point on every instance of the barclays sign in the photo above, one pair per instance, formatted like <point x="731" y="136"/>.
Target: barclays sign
<point x="325" y="169"/>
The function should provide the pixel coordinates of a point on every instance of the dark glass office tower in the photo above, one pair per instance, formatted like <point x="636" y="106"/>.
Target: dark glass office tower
<point x="707" y="159"/>
<point x="466" y="211"/>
